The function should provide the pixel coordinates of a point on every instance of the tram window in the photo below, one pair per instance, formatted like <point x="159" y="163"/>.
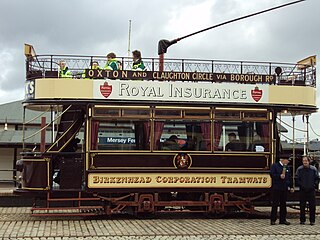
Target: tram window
<point x="173" y="135"/>
<point x="136" y="112"/>
<point x="167" y="112"/>
<point x="105" y="112"/>
<point x="197" y="113"/>
<point x="221" y="114"/>
<point x="126" y="135"/>
<point x="255" y="115"/>
<point x="241" y="136"/>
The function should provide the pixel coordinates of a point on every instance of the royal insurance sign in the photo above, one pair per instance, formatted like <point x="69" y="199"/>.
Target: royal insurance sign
<point x="179" y="91"/>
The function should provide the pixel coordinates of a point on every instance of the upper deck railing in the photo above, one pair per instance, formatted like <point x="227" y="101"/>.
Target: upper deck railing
<point x="284" y="73"/>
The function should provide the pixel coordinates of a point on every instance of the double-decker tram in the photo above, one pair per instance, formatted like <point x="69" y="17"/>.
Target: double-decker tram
<point x="198" y="136"/>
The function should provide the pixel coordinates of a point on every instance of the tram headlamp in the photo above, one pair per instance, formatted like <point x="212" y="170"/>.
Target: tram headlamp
<point x="278" y="71"/>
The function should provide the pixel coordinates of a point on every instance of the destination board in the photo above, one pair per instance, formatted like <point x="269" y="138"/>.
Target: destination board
<point x="180" y="76"/>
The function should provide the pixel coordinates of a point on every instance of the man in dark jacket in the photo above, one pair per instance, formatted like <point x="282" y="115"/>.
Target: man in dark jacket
<point x="281" y="180"/>
<point x="308" y="180"/>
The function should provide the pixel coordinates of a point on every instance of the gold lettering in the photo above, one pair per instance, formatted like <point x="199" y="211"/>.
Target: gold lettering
<point x="242" y="180"/>
<point x="125" y="74"/>
<point x="249" y="179"/>
<point x="223" y="179"/>
<point x="95" y="179"/>
<point x="164" y="180"/>
<point x="158" y="179"/>
<point x="90" y="73"/>
<point x="187" y="180"/>
<point x="99" y="73"/>
<point x="106" y="180"/>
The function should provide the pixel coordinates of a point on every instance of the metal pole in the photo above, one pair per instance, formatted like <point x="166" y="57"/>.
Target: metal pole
<point x="23" y="128"/>
<point x="129" y="40"/>
<point x="308" y="136"/>
<point x="161" y="59"/>
<point x="53" y="126"/>
<point x="293" y="149"/>
<point x="43" y="135"/>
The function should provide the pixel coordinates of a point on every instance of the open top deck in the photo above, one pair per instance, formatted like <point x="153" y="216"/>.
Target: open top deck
<point x="185" y="81"/>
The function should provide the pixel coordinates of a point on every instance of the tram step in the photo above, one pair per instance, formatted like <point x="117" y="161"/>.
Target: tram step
<point x="68" y="211"/>
<point x="72" y="199"/>
<point x="68" y="208"/>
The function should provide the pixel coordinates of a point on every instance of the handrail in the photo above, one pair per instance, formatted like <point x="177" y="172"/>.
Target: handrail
<point x="168" y="59"/>
<point x="37" y="132"/>
<point x="289" y="72"/>
<point x="36" y="117"/>
<point x="298" y="129"/>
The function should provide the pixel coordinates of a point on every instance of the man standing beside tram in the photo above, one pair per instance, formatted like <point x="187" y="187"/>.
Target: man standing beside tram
<point x="281" y="180"/>
<point x="308" y="180"/>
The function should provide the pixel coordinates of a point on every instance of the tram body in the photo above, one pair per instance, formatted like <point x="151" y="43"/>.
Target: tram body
<point x="158" y="141"/>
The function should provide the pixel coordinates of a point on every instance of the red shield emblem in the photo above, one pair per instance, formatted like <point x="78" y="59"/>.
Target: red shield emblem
<point x="105" y="89"/>
<point x="256" y="94"/>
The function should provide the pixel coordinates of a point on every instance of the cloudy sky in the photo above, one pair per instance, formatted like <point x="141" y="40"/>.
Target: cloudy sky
<point x="97" y="27"/>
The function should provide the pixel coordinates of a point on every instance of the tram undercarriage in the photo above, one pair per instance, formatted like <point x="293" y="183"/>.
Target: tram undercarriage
<point x="83" y="204"/>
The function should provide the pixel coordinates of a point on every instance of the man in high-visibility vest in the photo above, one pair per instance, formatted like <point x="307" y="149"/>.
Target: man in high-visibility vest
<point x="95" y="65"/>
<point x="112" y="63"/>
<point x="64" y="70"/>
<point x="138" y="64"/>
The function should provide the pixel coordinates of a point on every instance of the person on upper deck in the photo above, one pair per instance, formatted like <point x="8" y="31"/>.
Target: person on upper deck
<point x="64" y="70"/>
<point x="95" y="65"/>
<point x="138" y="64"/>
<point x="112" y="63"/>
<point x="233" y="144"/>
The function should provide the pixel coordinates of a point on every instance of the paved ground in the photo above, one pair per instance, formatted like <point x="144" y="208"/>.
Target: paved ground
<point x="16" y="223"/>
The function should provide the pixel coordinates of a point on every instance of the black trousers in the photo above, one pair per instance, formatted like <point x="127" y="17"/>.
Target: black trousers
<point x="278" y="198"/>
<point x="310" y="197"/>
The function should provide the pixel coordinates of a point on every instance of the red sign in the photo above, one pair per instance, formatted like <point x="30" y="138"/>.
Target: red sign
<point x="256" y="94"/>
<point x="105" y="89"/>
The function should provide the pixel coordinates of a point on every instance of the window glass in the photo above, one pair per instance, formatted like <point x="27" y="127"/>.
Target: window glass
<point x="136" y="112"/>
<point x="221" y="114"/>
<point x="174" y="135"/>
<point x="106" y="112"/>
<point x="197" y="113"/>
<point x="241" y="136"/>
<point x="167" y="112"/>
<point x="256" y="115"/>
<point x="124" y="135"/>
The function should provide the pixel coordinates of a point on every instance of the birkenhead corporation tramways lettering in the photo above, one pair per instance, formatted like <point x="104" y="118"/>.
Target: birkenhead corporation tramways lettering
<point x="225" y="180"/>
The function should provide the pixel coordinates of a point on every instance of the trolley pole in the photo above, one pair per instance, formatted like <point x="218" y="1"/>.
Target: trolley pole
<point x="163" y="44"/>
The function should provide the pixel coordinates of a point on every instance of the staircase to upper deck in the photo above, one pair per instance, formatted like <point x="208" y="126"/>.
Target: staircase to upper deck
<point x="71" y="121"/>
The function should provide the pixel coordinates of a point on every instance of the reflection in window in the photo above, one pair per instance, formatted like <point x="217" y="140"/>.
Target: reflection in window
<point x="241" y="136"/>
<point x="171" y="135"/>
<point x="124" y="135"/>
